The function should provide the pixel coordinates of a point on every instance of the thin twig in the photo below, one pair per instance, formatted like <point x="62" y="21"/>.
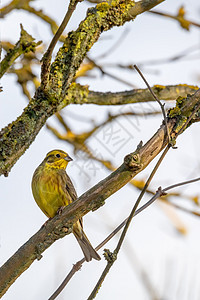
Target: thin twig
<point x="103" y="72"/>
<point x="177" y="57"/>
<point x="183" y="55"/>
<point x="117" y="78"/>
<point x="192" y="212"/>
<point x="176" y="17"/>
<point x="160" y="192"/>
<point x="46" y="60"/>
<point x="180" y="184"/>
<point x="156" y="98"/>
<point x="112" y="256"/>
<point x="140" y="197"/>
<point x="76" y="267"/>
<point x="115" y="45"/>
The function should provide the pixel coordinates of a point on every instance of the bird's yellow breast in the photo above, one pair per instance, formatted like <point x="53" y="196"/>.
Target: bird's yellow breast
<point x="48" y="191"/>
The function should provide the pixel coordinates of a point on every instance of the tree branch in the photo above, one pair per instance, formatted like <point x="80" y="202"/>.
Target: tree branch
<point x="14" y="4"/>
<point x="180" y="17"/>
<point x="112" y="256"/>
<point x="24" y="45"/>
<point x="61" y="225"/>
<point x="46" y="60"/>
<point x="17" y="136"/>
<point x="76" y="267"/>
<point x="169" y="92"/>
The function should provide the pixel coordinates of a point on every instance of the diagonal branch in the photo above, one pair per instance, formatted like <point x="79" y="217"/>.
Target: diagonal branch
<point x="17" y="136"/>
<point x="47" y="56"/>
<point x="111" y="257"/>
<point x="61" y="225"/>
<point x="76" y="267"/>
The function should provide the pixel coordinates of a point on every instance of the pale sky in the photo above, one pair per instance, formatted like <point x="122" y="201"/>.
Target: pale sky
<point x="170" y="259"/>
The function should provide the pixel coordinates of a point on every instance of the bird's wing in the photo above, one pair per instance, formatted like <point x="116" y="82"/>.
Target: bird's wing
<point x="69" y="189"/>
<point x="67" y="185"/>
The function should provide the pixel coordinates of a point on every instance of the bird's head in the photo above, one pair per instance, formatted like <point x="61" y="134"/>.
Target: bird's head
<point x="57" y="159"/>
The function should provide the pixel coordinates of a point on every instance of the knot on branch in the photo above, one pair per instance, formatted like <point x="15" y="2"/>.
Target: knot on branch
<point x="110" y="256"/>
<point x="161" y="192"/>
<point x="46" y="99"/>
<point x="77" y="266"/>
<point x="38" y="251"/>
<point x="61" y="231"/>
<point x="132" y="161"/>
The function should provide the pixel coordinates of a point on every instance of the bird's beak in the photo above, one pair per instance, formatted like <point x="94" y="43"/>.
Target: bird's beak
<point x="68" y="158"/>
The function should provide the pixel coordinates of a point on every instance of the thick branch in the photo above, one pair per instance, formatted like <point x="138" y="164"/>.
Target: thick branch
<point x="140" y="95"/>
<point x="81" y="95"/>
<point x="60" y="225"/>
<point x="17" y="137"/>
<point x="99" y="19"/>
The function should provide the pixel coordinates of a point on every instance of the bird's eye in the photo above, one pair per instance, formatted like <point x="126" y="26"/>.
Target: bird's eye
<point x="57" y="155"/>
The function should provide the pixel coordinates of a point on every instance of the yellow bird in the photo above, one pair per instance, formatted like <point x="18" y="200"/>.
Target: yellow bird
<point x="53" y="189"/>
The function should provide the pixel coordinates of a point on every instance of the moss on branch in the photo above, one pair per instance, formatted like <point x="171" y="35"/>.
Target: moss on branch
<point x="78" y="94"/>
<point x="105" y="16"/>
<point x="170" y="92"/>
<point x="79" y="42"/>
<point x="17" y="136"/>
<point x="61" y="225"/>
<point x="24" y="45"/>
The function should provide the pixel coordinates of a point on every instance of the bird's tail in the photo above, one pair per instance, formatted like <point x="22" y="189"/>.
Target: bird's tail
<point x="84" y="243"/>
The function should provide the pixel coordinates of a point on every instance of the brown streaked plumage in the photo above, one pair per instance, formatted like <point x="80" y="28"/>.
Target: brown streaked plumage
<point x="53" y="189"/>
